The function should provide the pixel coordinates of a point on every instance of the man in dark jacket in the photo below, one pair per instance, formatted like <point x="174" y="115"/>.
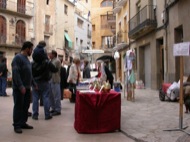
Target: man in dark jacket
<point x="3" y="76"/>
<point x="42" y="70"/>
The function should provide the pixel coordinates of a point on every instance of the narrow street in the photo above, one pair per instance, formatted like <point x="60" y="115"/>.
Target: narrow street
<point x="143" y="120"/>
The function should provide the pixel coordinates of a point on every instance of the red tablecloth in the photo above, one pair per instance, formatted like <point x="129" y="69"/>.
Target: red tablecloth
<point x="97" y="113"/>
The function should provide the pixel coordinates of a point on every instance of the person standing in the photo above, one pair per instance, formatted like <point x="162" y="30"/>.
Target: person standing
<point x="42" y="70"/>
<point x="73" y="78"/>
<point x="3" y="77"/>
<point x="22" y="82"/>
<point x="55" y="95"/>
<point x="63" y="76"/>
<point x="86" y="70"/>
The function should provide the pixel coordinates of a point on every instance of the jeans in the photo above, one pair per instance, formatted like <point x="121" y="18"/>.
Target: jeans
<point x="55" y="97"/>
<point x="44" y="90"/>
<point x="21" y="106"/>
<point x="3" y="86"/>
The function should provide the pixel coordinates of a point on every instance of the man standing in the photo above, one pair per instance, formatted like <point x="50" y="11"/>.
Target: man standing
<point x="42" y="70"/>
<point x="3" y="76"/>
<point x="22" y="81"/>
<point x="55" y="96"/>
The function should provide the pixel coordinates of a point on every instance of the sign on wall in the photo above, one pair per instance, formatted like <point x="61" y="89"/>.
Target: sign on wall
<point x="181" y="49"/>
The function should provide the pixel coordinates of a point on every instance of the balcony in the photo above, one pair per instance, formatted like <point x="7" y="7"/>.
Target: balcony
<point x="89" y="33"/>
<point x="14" y="8"/>
<point x="14" y="41"/>
<point x="113" y="29"/>
<point x="143" y="22"/>
<point x="121" y="2"/>
<point x="3" y="39"/>
<point x="111" y="18"/>
<point x="48" y="29"/>
<point x="116" y="8"/>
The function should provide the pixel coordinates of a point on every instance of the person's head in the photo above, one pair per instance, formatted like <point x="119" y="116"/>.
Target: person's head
<point x="86" y="63"/>
<point x="99" y="62"/>
<point x="53" y="54"/>
<point x="27" y="48"/>
<point x="42" y="43"/>
<point x="76" y="61"/>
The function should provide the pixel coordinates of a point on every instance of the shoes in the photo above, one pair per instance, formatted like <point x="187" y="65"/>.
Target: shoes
<point x="18" y="130"/>
<point x="48" y="117"/>
<point x="35" y="117"/>
<point x="56" y="113"/>
<point x="29" y="114"/>
<point x="26" y="126"/>
<point x="52" y="111"/>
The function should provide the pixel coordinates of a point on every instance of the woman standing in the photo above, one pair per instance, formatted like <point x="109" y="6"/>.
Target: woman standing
<point x="73" y="78"/>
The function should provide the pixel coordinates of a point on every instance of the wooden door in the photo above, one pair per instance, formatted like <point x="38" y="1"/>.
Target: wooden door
<point x="3" y="30"/>
<point x="21" y="6"/>
<point x="20" y="32"/>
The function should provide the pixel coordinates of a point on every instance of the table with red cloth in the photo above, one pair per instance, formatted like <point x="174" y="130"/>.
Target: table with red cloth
<point x="97" y="112"/>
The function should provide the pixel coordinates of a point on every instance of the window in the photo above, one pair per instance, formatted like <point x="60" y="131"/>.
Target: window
<point x="86" y="1"/>
<point x="81" y="42"/>
<point x="47" y="23"/>
<point x="77" y="41"/>
<point x="104" y="22"/>
<point x="93" y="27"/>
<point x="79" y="23"/>
<point x="3" y="4"/>
<point x="65" y="9"/>
<point x="3" y="28"/>
<point x="106" y="3"/>
<point x="21" y="4"/>
<point x="20" y="32"/>
<point x="93" y="44"/>
<point x="107" y="41"/>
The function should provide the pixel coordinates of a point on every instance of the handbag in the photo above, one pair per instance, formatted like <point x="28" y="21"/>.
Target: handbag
<point x="67" y="94"/>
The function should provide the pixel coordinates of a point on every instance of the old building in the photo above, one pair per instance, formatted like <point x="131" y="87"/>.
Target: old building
<point x="44" y="22"/>
<point x="102" y="36"/>
<point x="64" y="28"/>
<point x="16" y="26"/>
<point x="121" y="10"/>
<point x="154" y="27"/>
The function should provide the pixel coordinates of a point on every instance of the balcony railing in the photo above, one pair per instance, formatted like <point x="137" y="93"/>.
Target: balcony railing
<point x="48" y="29"/>
<point x="89" y="33"/>
<point x="143" y="22"/>
<point x="14" y="7"/>
<point x="19" y="40"/>
<point x="116" y="8"/>
<point x="3" y="39"/>
<point x="111" y="18"/>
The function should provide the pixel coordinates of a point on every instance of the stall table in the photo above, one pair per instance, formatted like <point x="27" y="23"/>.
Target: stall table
<point x="97" y="112"/>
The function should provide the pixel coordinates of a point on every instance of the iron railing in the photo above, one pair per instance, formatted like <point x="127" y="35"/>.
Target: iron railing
<point x="3" y="39"/>
<point x="145" y="17"/>
<point x="111" y="17"/>
<point x="27" y="9"/>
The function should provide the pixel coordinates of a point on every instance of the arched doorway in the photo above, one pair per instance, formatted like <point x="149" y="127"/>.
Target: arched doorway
<point x="3" y="30"/>
<point x="21" y="6"/>
<point x="20" y="32"/>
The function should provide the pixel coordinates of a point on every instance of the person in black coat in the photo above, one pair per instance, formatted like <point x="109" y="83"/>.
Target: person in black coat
<point x="63" y="83"/>
<point x="86" y="70"/>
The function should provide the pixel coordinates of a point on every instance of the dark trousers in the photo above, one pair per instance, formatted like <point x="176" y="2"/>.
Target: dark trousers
<point x="73" y="89"/>
<point x="21" y="106"/>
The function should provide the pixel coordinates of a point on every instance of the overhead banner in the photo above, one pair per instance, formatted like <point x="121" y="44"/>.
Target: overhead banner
<point x="181" y="49"/>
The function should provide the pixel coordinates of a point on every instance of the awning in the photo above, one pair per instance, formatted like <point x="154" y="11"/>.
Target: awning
<point x="68" y="39"/>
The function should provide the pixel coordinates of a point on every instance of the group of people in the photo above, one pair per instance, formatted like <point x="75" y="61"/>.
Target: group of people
<point x="3" y="76"/>
<point x="44" y="78"/>
<point x="34" y="80"/>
